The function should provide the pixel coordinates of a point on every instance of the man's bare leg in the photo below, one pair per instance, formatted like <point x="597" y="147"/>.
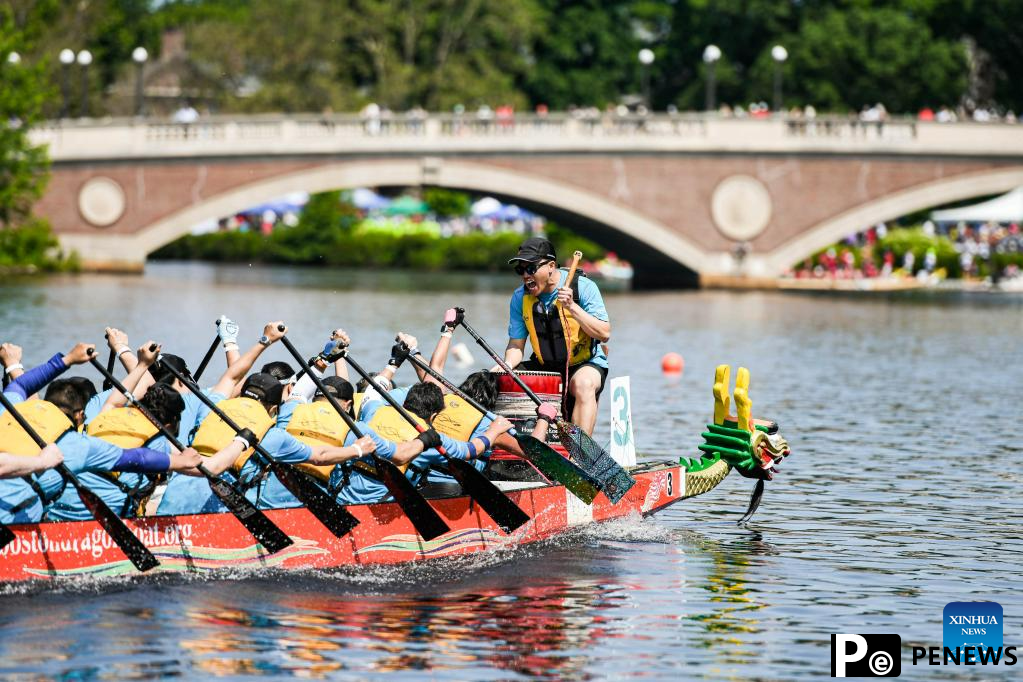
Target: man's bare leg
<point x="583" y="386"/>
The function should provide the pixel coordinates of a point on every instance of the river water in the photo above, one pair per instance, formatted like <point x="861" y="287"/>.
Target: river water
<point x="902" y="494"/>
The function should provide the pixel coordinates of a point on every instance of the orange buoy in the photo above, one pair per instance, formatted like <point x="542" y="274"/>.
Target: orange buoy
<point x="672" y="363"/>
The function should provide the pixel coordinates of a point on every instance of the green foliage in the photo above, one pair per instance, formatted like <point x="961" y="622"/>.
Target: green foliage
<point x="367" y="248"/>
<point x="919" y="243"/>
<point x="567" y="242"/>
<point x="32" y="246"/>
<point x="446" y="202"/>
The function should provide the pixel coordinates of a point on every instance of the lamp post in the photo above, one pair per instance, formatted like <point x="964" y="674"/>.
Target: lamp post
<point x="779" y="54"/>
<point x="711" y="54"/>
<point x="84" y="59"/>
<point x="67" y="58"/>
<point x="646" y="58"/>
<point x="139" y="55"/>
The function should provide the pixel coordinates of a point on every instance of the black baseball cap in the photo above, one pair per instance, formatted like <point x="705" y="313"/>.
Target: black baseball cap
<point x="341" y="389"/>
<point x="264" y="388"/>
<point x="534" y="250"/>
<point x="160" y="373"/>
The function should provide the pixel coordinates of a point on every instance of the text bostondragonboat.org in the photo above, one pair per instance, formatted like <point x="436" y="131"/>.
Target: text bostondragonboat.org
<point x="94" y="543"/>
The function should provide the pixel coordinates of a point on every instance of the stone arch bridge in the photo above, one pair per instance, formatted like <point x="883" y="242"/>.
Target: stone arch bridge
<point x="687" y="199"/>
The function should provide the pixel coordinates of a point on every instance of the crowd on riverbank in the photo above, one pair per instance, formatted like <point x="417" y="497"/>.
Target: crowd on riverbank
<point x="927" y="252"/>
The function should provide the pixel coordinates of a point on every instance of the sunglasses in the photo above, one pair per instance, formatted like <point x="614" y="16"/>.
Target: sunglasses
<point x="531" y="268"/>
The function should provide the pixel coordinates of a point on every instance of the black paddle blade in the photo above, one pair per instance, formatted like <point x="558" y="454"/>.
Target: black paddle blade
<point x="325" y="508"/>
<point x="558" y="469"/>
<point x="137" y="553"/>
<point x="425" y="518"/>
<point x="614" y="480"/>
<point x="6" y="536"/>
<point x="255" y="521"/>
<point x="494" y="502"/>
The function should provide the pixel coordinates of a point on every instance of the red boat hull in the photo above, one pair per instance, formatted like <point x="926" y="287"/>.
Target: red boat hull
<point x="217" y="542"/>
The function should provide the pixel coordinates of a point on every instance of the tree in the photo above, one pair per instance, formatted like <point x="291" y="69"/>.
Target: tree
<point x="25" y="240"/>
<point x="23" y="167"/>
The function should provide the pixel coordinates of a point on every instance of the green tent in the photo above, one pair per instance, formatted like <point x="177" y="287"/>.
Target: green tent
<point x="406" y="205"/>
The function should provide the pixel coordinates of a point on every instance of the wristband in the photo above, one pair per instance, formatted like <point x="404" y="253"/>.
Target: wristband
<point x="16" y="365"/>
<point x="357" y="449"/>
<point x="230" y="345"/>
<point x="446" y="333"/>
<point x="243" y="441"/>
<point x="122" y="350"/>
<point x="486" y="442"/>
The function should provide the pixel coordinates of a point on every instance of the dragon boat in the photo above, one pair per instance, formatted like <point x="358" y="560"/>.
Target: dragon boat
<point x="216" y="542"/>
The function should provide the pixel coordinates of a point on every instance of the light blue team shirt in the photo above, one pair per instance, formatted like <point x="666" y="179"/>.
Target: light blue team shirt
<point x="69" y="506"/>
<point x="479" y="462"/>
<point x="82" y="453"/>
<point x="192" y="495"/>
<point x="589" y="298"/>
<point x="362" y="489"/>
<point x="370" y="407"/>
<point x="193" y="414"/>
<point x="95" y="404"/>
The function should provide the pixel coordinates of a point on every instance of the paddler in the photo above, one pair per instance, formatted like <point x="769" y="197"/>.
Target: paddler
<point x="255" y="412"/>
<point x="58" y="419"/>
<point x="539" y="311"/>
<point x="426" y="402"/>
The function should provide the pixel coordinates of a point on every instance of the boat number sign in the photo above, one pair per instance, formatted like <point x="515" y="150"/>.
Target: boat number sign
<point x="623" y="444"/>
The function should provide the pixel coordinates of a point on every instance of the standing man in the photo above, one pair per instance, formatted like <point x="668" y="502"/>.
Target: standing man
<point x="546" y="309"/>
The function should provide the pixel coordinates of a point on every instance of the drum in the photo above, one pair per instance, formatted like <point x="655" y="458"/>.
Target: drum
<point x="516" y="405"/>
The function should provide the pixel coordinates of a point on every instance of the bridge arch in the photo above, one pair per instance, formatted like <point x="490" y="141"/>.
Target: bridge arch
<point x="890" y="207"/>
<point x="550" y="196"/>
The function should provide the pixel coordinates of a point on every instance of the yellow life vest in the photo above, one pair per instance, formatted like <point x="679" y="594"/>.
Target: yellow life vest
<point x="357" y="403"/>
<point x="214" y="434"/>
<point x="45" y="417"/>
<point x="318" y="424"/>
<point x="125" y="427"/>
<point x="458" y="419"/>
<point x="390" y="425"/>
<point x="547" y="332"/>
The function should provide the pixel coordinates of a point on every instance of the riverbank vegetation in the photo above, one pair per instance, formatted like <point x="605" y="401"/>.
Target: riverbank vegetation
<point x="330" y="231"/>
<point x="27" y="243"/>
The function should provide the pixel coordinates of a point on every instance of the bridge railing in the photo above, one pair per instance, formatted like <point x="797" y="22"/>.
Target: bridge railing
<point x="341" y="133"/>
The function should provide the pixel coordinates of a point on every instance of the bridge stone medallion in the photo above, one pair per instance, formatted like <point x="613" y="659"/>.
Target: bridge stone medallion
<point x="101" y="201"/>
<point x="741" y="207"/>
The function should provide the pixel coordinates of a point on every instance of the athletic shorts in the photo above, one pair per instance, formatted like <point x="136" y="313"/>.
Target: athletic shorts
<point x="531" y="365"/>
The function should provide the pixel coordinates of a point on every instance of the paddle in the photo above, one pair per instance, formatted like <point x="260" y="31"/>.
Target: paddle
<point x="254" y="520"/>
<point x="110" y="368"/>
<point x="543" y="456"/>
<point x="209" y="353"/>
<point x="427" y="522"/>
<point x="576" y="257"/>
<point x="615" y="481"/>
<point x="492" y="499"/>
<point x="327" y="511"/>
<point x="137" y="553"/>
<point x="6" y="536"/>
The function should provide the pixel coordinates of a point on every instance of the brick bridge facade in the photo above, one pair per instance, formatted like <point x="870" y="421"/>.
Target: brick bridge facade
<point x="686" y="199"/>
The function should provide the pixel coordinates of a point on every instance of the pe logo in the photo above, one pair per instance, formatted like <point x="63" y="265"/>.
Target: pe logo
<point x="866" y="655"/>
<point x="972" y="623"/>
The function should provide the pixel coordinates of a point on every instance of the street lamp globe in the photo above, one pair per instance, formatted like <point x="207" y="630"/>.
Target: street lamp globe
<point x="67" y="56"/>
<point x="14" y="58"/>
<point x="711" y="54"/>
<point x="646" y="57"/>
<point x="139" y="55"/>
<point x="779" y="53"/>
<point x="85" y="58"/>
